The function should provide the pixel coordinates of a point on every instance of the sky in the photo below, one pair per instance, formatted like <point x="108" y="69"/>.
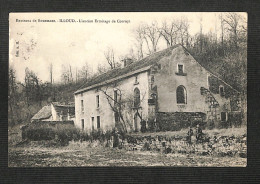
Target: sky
<point x="76" y="43"/>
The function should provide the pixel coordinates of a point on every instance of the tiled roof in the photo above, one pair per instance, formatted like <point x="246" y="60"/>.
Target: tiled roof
<point x="44" y="113"/>
<point x="64" y="108"/>
<point x="137" y="66"/>
<point x="148" y="61"/>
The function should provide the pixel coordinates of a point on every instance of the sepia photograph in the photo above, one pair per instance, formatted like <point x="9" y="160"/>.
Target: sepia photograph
<point x="125" y="89"/>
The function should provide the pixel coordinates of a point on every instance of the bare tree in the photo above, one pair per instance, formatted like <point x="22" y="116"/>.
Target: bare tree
<point x="85" y="72"/>
<point x="139" y="36"/>
<point x="101" y="69"/>
<point x="67" y="75"/>
<point x="176" y="31"/>
<point x="122" y="104"/>
<point x="51" y="73"/>
<point x="222" y="29"/>
<point x="169" y="32"/>
<point x="151" y="36"/>
<point x="110" y="57"/>
<point x="232" y="20"/>
<point x="201" y="35"/>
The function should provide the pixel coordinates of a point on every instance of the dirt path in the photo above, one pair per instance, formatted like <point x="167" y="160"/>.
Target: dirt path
<point x="99" y="156"/>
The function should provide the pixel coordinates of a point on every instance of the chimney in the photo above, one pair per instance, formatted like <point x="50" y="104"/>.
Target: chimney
<point x="127" y="61"/>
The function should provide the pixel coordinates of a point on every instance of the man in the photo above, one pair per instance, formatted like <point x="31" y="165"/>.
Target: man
<point x="198" y="133"/>
<point x="189" y="135"/>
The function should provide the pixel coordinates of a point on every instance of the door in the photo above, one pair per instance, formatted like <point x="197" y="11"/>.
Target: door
<point x="92" y="121"/>
<point x="98" y="122"/>
<point x="82" y="124"/>
<point x="136" y="121"/>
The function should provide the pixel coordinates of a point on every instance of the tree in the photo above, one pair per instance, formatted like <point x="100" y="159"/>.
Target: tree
<point x="151" y="36"/>
<point x="85" y="72"/>
<point x="222" y="29"/>
<point x="32" y="87"/>
<point x="110" y="57"/>
<point x="183" y="34"/>
<point x="51" y="73"/>
<point x="176" y="31"/>
<point x="169" y="32"/>
<point x="232" y="21"/>
<point x="66" y="75"/>
<point x="139" y="36"/>
<point x="122" y="103"/>
<point x="101" y="69"/>
<point x="12" y="96"/>
<point x="200" y="34"/>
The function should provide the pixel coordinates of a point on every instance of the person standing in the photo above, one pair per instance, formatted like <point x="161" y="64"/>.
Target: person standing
<point x="189" y="135"/>
<point x="198" y="133"/>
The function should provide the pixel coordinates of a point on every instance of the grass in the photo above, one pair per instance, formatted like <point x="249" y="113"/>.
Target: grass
<point x="77" y="153"/>
<point x="183" y="132"/>
<point x="99" y="156"/>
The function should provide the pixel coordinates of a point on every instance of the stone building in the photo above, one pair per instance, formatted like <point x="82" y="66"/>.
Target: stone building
<point x="167" y="87"/>
<point x="55" y="112"/>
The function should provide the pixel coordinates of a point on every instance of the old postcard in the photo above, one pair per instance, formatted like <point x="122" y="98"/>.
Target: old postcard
<point x="127" y="89"/>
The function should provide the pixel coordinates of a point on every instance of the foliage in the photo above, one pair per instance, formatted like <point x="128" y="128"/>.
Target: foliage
<point x="62" y="133"/>
<point x="225" y="54"/>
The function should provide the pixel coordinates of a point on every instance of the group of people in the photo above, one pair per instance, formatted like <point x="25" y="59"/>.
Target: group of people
<point x="198" y="134"/>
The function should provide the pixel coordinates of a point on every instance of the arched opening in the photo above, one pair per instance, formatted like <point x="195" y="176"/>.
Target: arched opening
<point x="136" y="97"/>
<point x="181" y="95"/>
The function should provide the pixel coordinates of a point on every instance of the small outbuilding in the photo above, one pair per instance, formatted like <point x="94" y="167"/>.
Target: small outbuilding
<point x="55" y="112"/>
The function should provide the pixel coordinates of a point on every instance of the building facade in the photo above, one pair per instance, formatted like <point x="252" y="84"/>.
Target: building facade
<point x="55" y="112"/>
<point x="169" y="85"/>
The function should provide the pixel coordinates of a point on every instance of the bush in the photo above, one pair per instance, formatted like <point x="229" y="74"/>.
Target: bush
<point x="62" y="133"/>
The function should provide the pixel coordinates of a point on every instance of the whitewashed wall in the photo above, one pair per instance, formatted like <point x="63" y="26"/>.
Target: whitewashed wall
<point x="105" y="112"/>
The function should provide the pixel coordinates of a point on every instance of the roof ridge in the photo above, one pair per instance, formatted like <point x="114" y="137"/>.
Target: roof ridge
<point x="147" y="61"/>
<point x="208" y="70"/>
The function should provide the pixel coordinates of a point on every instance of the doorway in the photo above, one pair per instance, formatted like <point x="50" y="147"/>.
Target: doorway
<point x="137" y="121"/>
<point x="92" y="122"/>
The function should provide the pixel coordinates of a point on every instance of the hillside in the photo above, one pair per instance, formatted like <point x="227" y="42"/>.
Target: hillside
<point x="29" y="98"/>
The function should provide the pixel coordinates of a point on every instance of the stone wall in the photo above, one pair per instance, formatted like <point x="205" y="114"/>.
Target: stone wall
<point x="177" y="120"/>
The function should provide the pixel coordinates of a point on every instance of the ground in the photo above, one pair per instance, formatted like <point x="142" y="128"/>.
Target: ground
<point x="36" y="154"/>
<point x="99" y="156"/>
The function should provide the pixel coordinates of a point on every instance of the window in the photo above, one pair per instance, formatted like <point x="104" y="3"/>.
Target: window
<point x="115" y="97"/>
<point x="180" y="68"/>
<point x="92" y="121"/>
<point x="82" y="106"/>
<point x="82" y="124"/>
<point x="98" y="122"/>
<point x="97" y="101"/>
<point x="136" y="97"/>
<point x="223" y="116"/>
<point x="181" y="95"/>
<point x="221" y="91"/>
